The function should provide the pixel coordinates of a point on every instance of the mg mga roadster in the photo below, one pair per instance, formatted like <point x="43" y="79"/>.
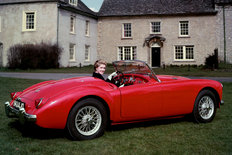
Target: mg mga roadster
<point x="85" y="106"/>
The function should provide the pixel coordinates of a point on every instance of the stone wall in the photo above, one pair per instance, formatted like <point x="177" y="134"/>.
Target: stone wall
<point x="201" y="29"/>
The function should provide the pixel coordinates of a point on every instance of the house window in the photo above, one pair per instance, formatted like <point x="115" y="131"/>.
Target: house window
<point x="73" y="2"/>
<point x="127" y="30"/>
<point x="86" y="28"/>
<point x="72" y="52"/>
<point x="29" y="21"/>
<point x="155" y="27"/>
<point x="127" y="53"/>
<point x="87" y="52"/>
<point x="184" y="53"/>
<point x="184" y="28"/>
<point x="72" y="24"/>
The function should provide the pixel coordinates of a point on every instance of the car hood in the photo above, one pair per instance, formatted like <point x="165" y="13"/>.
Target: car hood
<point x="49" y="89"/>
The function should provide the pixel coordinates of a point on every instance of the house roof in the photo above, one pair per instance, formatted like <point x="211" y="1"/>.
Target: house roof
<point x="156" y="7"/>
<point x="81" y="8"/>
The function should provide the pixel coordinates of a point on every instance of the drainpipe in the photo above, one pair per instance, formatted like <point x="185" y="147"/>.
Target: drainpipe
<point x="224" y="29"/>
<point x="57" y="33"/>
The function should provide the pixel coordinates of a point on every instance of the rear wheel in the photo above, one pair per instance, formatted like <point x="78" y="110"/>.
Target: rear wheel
<point x="205" y="107"/>
<point x="87" y="120"/>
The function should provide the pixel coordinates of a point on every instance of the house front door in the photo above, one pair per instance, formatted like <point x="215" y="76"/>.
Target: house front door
<point x="155" y="56"/>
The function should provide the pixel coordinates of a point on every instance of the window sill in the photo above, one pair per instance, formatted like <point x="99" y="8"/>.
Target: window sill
<point x="72" y="33"/>
<point x="184" y="61"/>
<point x="184" y="37"/>
<point x="129" y="38"/>
<point x="72" y="61"/>
<point x="28" y="30"/>
<point x="158" y="33"/>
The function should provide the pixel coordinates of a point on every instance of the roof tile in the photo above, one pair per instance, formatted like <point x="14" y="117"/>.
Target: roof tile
<point x="155" y="7"/>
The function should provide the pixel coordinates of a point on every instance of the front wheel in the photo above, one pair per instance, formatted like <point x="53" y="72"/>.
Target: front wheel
<point x="205" y="107"/>
<point x="87" y="120"/>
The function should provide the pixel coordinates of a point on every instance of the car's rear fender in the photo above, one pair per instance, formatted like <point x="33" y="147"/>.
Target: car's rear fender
<point x="55" y="112"/>
<point x="105" y="104"/>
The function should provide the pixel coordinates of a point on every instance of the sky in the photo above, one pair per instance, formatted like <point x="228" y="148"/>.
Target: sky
<point x="93" y="4"/>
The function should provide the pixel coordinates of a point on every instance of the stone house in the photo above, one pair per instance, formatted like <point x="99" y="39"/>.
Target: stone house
<point x="159" y="32"/>
<point x="68" y="23"/>
<point x="177" y="32"/>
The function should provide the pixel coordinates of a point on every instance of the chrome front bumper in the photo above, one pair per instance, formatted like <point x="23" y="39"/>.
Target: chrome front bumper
<point x="21" y="114"/>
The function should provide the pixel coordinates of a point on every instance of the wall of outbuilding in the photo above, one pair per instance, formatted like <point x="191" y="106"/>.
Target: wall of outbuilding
<point x="11" y="25"/>
<point x="78" y="38"/>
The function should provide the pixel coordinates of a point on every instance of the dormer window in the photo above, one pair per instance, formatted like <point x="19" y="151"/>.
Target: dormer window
<point x="73" y="2"/>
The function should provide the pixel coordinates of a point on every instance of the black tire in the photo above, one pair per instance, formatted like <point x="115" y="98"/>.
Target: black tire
<point x="87" y="120"/>
<point x="205" y="107"/>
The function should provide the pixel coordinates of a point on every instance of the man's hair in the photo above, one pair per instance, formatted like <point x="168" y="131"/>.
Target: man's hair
<point x="98" y="63"/>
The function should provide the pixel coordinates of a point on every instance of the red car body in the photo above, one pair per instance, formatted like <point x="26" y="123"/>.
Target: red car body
<point x="144" y="99"/>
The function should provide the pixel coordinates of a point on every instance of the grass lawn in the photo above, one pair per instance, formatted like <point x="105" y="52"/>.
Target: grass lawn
<point x="176" y="136"/>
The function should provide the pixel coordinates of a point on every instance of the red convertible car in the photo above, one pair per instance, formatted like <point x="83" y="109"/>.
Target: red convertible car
<point x="84" y="106"/>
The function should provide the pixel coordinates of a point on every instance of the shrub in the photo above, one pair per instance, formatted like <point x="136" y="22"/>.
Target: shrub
<point x="212" y="60"/>
<point x="33" y="56"/>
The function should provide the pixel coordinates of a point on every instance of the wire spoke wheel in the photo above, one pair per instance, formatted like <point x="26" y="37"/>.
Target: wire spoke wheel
<point x="88" y="120"/>
<point x="206" y="107"/>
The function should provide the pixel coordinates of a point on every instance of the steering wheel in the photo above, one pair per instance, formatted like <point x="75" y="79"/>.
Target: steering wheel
<point x="119" y="78"/>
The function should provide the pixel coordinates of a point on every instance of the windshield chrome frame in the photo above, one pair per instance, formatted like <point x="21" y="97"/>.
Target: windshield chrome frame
<point x="151" y="74"/>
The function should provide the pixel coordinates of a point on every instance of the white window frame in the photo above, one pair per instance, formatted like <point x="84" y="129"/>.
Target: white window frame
<point x="73" y="2"/>
<point x="24" y="26"/>
<point x="73" y="48"/>
<point x="152" y="27"/>
<point x="87" y="53"/>
<point x="122" y="53"/>
<point x="72" y="24"/>
<point x="181" y="28"/>
<point x="87" y="27"/>
<point x="184" y="51"/>
<point x="125" y="32"/>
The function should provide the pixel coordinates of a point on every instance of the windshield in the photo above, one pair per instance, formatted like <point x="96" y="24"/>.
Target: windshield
<point x="134" y="67"/>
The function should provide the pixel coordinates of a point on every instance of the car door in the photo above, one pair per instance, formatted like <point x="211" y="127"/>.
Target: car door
<point x="141" y="101"/>
<point x="179" y="97"/>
